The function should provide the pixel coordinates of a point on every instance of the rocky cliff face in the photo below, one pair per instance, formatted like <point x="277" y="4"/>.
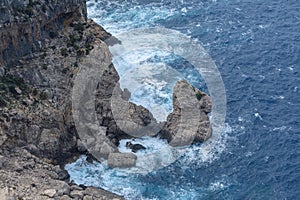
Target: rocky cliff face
<point x="189" y="122"/>
<point x="27" y="26"/>
<point x="44" y="45"/>
<point x="41" y="47"/>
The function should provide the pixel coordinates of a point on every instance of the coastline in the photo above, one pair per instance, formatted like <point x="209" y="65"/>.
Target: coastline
<point x="37" y="133"/>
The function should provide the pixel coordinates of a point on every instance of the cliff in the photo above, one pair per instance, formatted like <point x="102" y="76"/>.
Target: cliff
<point x="27" y="26"/>
<point x="42" y="45"/>
<point x="45" y="47"/>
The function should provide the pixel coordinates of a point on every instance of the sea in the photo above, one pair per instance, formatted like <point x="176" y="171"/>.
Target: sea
<point x="254" y="46"/>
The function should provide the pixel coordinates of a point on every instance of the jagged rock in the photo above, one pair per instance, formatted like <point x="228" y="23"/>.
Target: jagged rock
<point x="40" y="21"/>
<point x="62" y="188"/>
<point x="88" y="198"/>
<point x="65" y="197"/>
<point x="81" y="146"/>
<point x="2" y="71"/>
<point x="131" y="118"/>
<point x="121" y="160"/>
<point x="2" y="161"/>
<point x="188" y="123"/>
<point x="18" y="90"/>
<point x="135" y="147"/>
<point x="49" y="193"/>
<point x="77" y="194"/>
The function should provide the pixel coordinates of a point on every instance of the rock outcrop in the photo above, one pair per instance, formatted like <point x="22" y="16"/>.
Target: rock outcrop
<point x="44" y="47"/>
<point x="27" y="26"/>
<point x="121" y="160"/>
<point x="24" y="176"/>
<point x="189" y="122"/>
<point x="41" y="47"/>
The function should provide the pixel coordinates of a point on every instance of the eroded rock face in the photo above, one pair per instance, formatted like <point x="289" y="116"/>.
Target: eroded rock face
<point x="41" y="46"/>
<point x="188" y="123"/>
<point x="25" y="176"/>
<point x="27" y="25"/>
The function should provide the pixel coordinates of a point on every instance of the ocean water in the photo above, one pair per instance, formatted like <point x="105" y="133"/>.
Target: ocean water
<point x="256" y="48"/>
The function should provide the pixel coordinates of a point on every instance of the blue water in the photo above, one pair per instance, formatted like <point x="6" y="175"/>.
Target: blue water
<point x="256" y="47"/>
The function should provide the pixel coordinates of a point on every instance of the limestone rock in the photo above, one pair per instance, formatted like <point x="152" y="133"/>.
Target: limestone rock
<point x="49" y="193"/>
<point x="189" y="122"/>
<point x="77" y="194"/>
<point x="37" y="112"/>
<point x="121" y="160"/>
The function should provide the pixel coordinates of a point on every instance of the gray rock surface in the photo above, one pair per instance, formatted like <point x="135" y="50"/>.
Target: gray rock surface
<point x="189" y="122"/>
<point x="41" y="49"/>
<point x="27" y="25"/>
<point x="25" y="176"/>
<point x="121" y="160"/>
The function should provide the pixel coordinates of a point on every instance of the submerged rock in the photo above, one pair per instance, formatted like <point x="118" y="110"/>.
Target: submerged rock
<point x="189" y="122"/>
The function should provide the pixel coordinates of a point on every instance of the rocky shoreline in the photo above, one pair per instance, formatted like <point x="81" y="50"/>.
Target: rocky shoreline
<point x="42" y="43"/>
<point x="43" y="48"/>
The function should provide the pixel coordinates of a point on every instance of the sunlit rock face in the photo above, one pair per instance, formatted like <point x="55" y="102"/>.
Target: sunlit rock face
<point x="189" y="122"/>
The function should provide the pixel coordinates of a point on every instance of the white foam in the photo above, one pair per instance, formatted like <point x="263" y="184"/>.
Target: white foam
<point x="120" y="17"/>
<point x="151" y="86"/>
<point x="124" y="182"/>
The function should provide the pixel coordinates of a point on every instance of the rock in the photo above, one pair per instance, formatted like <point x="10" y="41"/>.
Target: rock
<point x="78" y="194"/>
<point x="121" y="160"/>
<point x="62" y="188"/>
<point x="132" y="119"/>
<point x="2" y="71"/>
<point x="49" y="193"/>
<point x="88" y="197"/>
<point x="65" y="197"/>
<point x="3" y="137"/>
<point x="189" y="122"/>
<point x="3" y="193"/>
<point x="46" y="113"/>
<point x="81" y="146"/>
<point x="75" y="187"/>
<point x="126" y="94"/>
<point x="18" y="167"/>
<point x="134" y="147"/>
<point x="97" y="193"/>
<point x="44" y="20"/>
<point x="27" y="102"/>
<point x="33" y="149"/>
<point x="18" y="90"/>
<point x="2" y="161"/>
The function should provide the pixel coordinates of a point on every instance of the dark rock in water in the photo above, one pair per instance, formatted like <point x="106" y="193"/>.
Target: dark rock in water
<point x="135" y="147"/>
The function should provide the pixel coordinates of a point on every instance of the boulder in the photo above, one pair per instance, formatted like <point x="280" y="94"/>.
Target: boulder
<point x="121" y="160"/>
<point x="189" y="122"/>
<point x="135" y="147"/>
<point x="49" y="193"/>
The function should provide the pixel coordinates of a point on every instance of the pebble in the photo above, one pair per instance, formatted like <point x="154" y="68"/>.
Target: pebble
<point x="18" y="90"/>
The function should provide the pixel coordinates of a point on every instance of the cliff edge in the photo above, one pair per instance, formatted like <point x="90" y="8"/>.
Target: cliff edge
<point x="41" y="46"/>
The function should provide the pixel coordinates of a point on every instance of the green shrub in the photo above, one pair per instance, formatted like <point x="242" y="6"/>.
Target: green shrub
<point x="64" y="52"/>
<point x="199" y="95"/>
